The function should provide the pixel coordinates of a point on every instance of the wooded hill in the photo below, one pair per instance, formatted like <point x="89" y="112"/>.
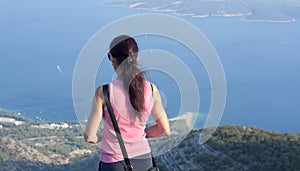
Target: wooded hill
<point x="36" y="145"/>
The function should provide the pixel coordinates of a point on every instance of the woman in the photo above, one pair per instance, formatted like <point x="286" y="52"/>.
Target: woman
<point x="133" y="99"/>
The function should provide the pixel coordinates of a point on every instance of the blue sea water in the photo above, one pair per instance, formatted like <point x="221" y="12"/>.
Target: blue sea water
<point x="260" y="60"/>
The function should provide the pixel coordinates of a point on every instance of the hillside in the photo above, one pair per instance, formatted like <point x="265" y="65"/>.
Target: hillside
<point x="34" y="145"/>
<point x="236" y="148"/>
<point x="60" y="146"/>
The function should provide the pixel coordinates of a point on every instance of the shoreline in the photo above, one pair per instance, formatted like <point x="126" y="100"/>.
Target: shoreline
<point x="64" y="149"/>
<point x="9" y="117"/>
<point x="42" y="118"/>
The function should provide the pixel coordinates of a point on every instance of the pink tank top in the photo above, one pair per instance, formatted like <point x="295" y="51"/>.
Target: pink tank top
<point x="132" y="127"/>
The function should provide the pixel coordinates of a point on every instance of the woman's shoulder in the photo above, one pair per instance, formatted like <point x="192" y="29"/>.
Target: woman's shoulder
<point x="99" y="89"/>
<point x="99" y="94"/>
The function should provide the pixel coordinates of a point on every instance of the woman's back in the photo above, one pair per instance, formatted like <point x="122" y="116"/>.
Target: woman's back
<point x="132" y="127"/>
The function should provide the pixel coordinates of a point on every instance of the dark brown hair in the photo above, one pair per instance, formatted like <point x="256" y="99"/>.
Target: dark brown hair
<point x="122" y="48"/>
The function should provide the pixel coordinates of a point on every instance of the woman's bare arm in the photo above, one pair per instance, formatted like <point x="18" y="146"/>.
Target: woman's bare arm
<point x="95" y="117"/>
<point x="162" y="126"/>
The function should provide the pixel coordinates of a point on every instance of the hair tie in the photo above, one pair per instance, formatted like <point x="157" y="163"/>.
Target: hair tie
<point x="130" y="58"/>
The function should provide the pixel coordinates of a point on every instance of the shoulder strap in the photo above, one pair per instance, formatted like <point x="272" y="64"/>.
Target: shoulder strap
<point x="151" y="88"/>
<point x="116" y="127"/>
<point x="153" y="159"/>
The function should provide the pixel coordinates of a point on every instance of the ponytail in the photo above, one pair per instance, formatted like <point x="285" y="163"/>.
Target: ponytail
<point x="134" y="79"/>
<point x="125" y="50"/>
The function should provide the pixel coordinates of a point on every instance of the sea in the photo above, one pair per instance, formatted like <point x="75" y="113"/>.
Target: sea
<point x="40" y="42"/>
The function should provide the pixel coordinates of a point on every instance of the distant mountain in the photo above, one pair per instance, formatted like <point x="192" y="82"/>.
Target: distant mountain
<point x="253" y="10"/>
<point x="60" y="146"/>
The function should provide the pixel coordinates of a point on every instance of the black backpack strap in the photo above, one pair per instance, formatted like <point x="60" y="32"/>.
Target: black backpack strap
<point x="153" y="159"/>
<point x="128" y="166"/>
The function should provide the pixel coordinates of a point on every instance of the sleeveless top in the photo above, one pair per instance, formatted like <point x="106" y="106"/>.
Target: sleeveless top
<point x="132" y="127"/>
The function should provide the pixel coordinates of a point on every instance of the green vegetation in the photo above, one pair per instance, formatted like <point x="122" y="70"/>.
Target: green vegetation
<point x="258" y="149"/>
<point x="30" y="147"/>
<point x="236" y="148"/>
<point x="14" y="115"/>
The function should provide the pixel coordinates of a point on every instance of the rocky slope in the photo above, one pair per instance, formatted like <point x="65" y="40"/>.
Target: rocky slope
<point x="35" y="146"/>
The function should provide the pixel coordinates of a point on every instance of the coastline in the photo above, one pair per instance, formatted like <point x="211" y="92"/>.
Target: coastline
<point x="253" y="12"/>
<point x="62" y="147"/>
<point x="182" y="124"/>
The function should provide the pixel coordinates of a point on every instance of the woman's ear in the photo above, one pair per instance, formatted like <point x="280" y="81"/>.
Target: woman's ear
<point x="137" y="57"/>
<point x="112" y="59"/>
<point x="113" y="62"/>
